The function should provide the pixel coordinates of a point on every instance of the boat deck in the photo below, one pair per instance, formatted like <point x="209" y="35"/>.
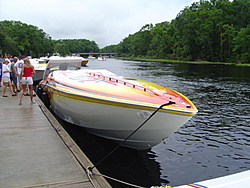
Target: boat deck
<point x="35" y="150"/>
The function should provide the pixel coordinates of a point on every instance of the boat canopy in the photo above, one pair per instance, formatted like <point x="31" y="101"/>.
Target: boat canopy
<point x="62" y="63"/>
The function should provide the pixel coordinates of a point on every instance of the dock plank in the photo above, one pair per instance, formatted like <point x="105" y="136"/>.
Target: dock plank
<point x="34" y="154"/>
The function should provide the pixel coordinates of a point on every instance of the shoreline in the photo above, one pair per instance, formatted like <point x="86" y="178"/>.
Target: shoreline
<point x="180" y="61"/>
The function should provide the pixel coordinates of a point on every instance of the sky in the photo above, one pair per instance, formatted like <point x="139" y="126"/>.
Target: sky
<point x="106" y="22"/>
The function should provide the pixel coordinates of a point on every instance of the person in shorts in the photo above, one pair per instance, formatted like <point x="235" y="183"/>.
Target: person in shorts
<point x="6" y="78"/>
<point x="19" y="65"/>
<point x="26" y="79"/>
<point x="13" y="75"/>
<point x="1" y="66"/>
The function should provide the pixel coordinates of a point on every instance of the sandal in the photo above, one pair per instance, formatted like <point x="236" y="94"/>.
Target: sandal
<point x="26" y="94"/>
<point x="5" y="95"/>
<point x="14" y="94"/>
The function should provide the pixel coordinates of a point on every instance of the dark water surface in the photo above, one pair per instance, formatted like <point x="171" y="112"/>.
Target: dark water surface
<point x="214" y="143"/>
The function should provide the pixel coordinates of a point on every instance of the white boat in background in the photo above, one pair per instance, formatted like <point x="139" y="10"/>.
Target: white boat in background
<point x="91" y="57"/>
<point x="113" y="106"/>
<point x="84" y="61"/>
<point x="101" y="58"/>
<point x="39" y="65"/>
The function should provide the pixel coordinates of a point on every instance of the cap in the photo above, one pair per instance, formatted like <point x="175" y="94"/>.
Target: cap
<point x="7" y="60"/>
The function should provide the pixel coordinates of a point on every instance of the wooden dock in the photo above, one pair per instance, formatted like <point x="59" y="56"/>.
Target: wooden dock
<point x="35" y="150"/>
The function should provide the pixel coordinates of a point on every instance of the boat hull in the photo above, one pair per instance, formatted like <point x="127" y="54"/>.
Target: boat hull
<point x="38" y="76"/>
<point x="84" y="62"/>
<point x="117" y="121"/>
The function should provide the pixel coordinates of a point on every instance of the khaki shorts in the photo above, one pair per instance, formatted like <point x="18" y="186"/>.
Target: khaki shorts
<point x="6" y="79"/>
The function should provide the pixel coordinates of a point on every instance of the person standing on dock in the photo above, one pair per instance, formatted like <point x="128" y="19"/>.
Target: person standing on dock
<point x="26" y="79"/>
<point x="1" y="66"/>
<point x="6" y="78"/>
<point x="19" y="65"/>
<point x="13" y="75"/>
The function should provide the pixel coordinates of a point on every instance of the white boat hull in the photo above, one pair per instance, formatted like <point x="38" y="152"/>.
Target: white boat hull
<point x="116" y="122"/>
<point x="38" y="76"/>
<point x="237" y="180"/>
<point x="125" y="110"/>
<point x="101" y="59"/>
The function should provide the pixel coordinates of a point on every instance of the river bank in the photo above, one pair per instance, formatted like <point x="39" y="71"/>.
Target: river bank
<point x="179" y="61"/>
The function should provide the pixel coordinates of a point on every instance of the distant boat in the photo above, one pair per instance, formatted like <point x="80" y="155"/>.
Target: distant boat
<point x="112" y="106"/>
<point x="91" y="57"/>
<point x="101" y="58"/>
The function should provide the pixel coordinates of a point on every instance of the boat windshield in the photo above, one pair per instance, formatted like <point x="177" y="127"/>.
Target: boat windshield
<point x="59" y="67"/>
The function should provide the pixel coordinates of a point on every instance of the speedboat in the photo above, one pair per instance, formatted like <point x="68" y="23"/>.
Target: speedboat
<point x="240" y="179"/>
<point x="84" y="62"/>
<point x="91" y="57"/>
<point x="101" y="58"/>
<point x="39" y="66"/>
<point x="133" y="112"/>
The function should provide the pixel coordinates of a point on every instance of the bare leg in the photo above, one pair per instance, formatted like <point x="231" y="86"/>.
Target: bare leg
<point x="21" y="93"/>
<point x="31" y="93"/>
<point x="5" y="84"/>
<point x="11" y="89"/>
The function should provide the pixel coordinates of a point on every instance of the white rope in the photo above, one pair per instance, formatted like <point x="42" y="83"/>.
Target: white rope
<point x="89" y="173"/>
<point x="132" y="185"/>
<point x="118" y="180"/>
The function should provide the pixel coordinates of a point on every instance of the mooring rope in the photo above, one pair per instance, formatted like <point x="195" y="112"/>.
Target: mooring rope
<point x="120" y="181"/>
<point x="123" y="182"/>
<point x="166" y="104"/>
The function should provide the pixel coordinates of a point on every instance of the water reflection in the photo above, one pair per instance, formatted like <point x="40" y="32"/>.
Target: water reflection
<point x="131" y="166"/>
<point x="213" y="143"/>
<point x="217" y="139"/>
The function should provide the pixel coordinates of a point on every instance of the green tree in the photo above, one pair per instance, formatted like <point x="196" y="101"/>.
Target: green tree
<point x="22" y="39"/>
<point x="241" y="13"/>
<point x="162" y="42"/>
<point x="69" y="46"/>
<point x="242" y="45"/>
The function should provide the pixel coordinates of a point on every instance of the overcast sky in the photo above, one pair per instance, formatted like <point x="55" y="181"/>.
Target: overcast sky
<point x="104" y="21"/>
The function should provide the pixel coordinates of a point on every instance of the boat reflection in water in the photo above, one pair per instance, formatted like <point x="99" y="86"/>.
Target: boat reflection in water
<point x="138" y="112"/>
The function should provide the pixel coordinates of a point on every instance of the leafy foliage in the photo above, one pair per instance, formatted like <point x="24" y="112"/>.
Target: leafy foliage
<point x="69" y="46"/>
<point x="18" y="39"/>
<point x="215" y="30"/>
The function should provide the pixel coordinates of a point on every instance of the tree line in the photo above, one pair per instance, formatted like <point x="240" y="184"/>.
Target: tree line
<point x="215" y="30"/>
<point x="208" y="30"/>
<point x="20" y="39"/>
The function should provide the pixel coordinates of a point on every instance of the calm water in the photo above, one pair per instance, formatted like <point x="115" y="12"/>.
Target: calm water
<point x="216" y="142"/>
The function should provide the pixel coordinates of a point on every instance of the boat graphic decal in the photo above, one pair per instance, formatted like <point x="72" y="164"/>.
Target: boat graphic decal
<point x="115" y="80"/>
<point x="120" y="102"/>
<point x="197" y="186"/>
<point x="143" y="114"/>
